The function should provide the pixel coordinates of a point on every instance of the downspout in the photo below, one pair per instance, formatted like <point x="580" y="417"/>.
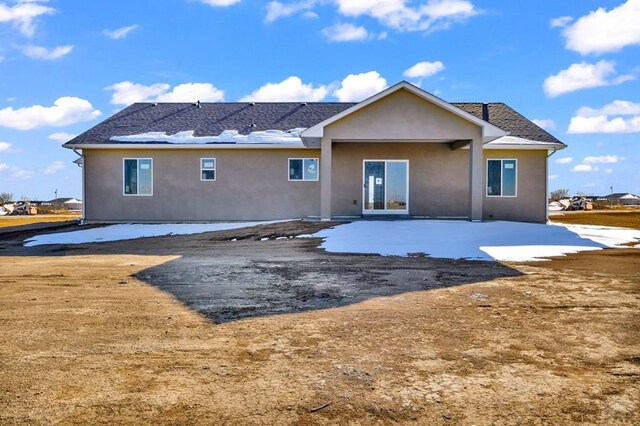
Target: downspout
<point x="84" y="198"/>
<point x="546" y="185"/>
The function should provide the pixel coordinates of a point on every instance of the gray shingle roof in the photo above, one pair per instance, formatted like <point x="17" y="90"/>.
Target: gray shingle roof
<point x="211" y="119"/>
<point x="511" y="121"/>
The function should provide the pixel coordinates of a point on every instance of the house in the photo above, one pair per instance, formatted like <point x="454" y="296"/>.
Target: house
<point x="66" y="203"/>
<point x="400" y="152"/>
<point x="624" y="198"/>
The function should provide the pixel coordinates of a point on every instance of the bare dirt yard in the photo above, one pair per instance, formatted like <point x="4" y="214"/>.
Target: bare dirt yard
<point x="201" y="329"/>
<point x="13" y="221"/>
<point x="621" y="218"/>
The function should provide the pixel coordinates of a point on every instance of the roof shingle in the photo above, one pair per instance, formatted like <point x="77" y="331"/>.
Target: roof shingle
<point x="211" y="119"/>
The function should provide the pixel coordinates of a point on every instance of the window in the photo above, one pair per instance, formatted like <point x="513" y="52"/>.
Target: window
<point x="303" y="169"/>
<point x="207" y="169"/>
<point x="138" y="176"/>
<point x="501" y="178"/>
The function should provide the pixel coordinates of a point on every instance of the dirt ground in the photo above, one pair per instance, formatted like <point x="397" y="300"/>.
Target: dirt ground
<point x="622" y="218"/>
<point x="10" y="221"/>
<point x="112" y="333"/>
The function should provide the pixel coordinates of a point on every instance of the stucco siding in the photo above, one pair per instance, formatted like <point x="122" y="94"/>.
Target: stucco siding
<point x="401" y="116"/>
<point x="250" y="185"/>
<point x="529" y="205"/>
<point x="438" y="177"/>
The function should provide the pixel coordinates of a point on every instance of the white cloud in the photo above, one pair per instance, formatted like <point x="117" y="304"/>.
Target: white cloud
<point x="603" y="31"/>
<point x="341" y="32"/>
<point x="18" y="173"/>
<point x="616" y="107"/>
<point x="583" y="76"/>
<point x="64" y="111"/>
<point x="127" y="93"/>
<point x="2" y="58"/>
<point x="607" y="119"/>
<point x="54" y="167"/>
<point x="39" y="52"/>
<point x="608" y="171"/>
<point x="120" y="33"/>
<point x="356" y="87"/>
<point x="553" y="177"/>
<point x="584" y="168"/>
<point x="191" y="92"/>
<point x="4" y="146"/>
<point x="431" y="16"/>
<point x="4" y="166"/>
<point x="564" y="160"/>
<point x="545" y="123"/>
<point x="424" y="69"/>
<point x="606" y="159"/>
<point x="62" y="137"/>
<point x="220" y="3"/>
<point x="603" y="124"/>
<point x="23" y="15"/>
<point x="277" y="10"/>
<point x="560" y="22"/>
<point x="291" y="89"/>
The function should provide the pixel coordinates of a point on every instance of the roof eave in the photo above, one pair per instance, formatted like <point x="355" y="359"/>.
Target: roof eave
<point x="546" y="146"/>
<point x="182" y="146"/>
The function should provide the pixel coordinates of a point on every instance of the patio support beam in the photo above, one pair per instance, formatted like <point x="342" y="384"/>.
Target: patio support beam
<point x="325" y="178"/>
<point x="455" y="145"/>
<point x="476" y="181"/>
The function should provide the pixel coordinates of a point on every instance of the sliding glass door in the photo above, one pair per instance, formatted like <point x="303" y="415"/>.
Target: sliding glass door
<point x="386" y="186"/>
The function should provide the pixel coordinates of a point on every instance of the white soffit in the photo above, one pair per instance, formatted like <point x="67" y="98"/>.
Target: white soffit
<point x="513" y="142"/>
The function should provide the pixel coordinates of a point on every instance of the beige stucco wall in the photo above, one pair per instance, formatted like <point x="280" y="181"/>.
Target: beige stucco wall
<point x="253" y="184"/>
<point x="250" y="185"/>
<point x="396" y="127"/>
<point x="530" y="203"/>
<point x="401" y="116"/>
<point x="438" y="177"/>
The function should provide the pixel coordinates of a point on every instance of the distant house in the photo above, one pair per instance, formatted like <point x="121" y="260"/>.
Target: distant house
<point x="65" y="203"/>
<point x="401" y="152"/>
<point x="624" y="198"/>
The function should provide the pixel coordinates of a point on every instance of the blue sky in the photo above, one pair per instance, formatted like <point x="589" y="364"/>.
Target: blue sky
<point x="67" y="65"/>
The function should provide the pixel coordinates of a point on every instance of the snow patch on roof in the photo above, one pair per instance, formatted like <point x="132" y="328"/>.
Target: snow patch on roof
<point x="513" y="140"/>
<point x="271" y="137"/>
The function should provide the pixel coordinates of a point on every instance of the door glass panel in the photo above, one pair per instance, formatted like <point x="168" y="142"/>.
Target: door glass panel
<point x="396" y="185"/>
<point x="310" y="169"/>
<point x="130" y="177"/>
<point x="295" y="169"/>
<point x="494" y="177"/>
<point x="509" y="177"/>
<point x="374" y="185"/>
<point x="144" y="177"/>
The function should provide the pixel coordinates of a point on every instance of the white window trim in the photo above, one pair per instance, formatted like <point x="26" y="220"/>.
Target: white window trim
<point x="385" y="211"/>
<point x="486" y="183"/>
<point x="303" y="179"/>
<point x="215" y="169"/>
<point x="137" y="194"/>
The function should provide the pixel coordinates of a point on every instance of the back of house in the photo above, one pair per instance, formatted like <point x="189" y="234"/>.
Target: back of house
<point x="402" y="152"/>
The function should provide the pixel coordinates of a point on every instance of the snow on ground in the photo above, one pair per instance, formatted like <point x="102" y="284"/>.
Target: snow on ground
<point x="133" y="231"/>
<point x="274" y="137"/>
<point x="498" y="240"/>
<point x="455" y="239"/>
